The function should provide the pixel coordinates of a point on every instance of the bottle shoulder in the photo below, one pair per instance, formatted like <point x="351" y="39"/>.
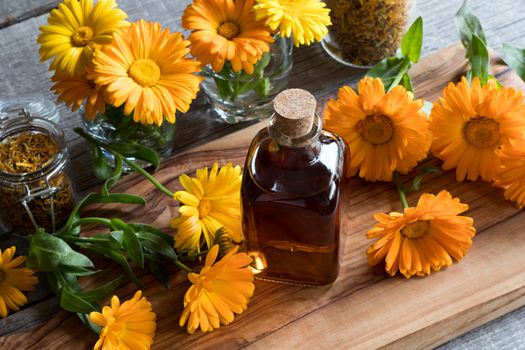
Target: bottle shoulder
<point x="295" y="172"/>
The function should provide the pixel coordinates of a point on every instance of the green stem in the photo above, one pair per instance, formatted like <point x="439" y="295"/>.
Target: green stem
<point x="92" y="240"/>
<point x="182" y="266"/>
<point x="404" y="68"/>
<point x="194" y="256"/>
<point x="400" y="190"/>
<point x="92" y="220"/>
<point x="129" y="162"/>
<point x="149" y="177"/>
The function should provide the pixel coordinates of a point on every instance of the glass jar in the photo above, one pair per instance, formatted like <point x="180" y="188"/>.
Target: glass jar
<point x="34" y="105"/>
<point x="363" y="32"/>
<point x="114" y="127"/>
<point x="238" y="97"/>
<point x="41" y="198"/>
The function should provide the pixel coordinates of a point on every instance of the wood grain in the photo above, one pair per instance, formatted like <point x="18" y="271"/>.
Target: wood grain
<point x="363" y="308"/>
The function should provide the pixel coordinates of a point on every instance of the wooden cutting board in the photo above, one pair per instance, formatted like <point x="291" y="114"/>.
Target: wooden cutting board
<point x="364" y="308"/>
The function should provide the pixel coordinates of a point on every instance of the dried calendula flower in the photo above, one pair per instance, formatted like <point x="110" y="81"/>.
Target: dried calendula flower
<point x="29" y="178"/>
<point x="366" y="31"/>
<point x="26" y="152"/>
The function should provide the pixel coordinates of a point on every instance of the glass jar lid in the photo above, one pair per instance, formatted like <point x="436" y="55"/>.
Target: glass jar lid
<point x="35" y="105"/>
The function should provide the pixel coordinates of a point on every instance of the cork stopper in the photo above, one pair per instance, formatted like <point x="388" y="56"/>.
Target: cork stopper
<point x="294" y="112"/>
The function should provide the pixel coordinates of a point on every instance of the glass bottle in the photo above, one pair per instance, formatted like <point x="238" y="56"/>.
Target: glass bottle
<point x="363" y="32"/>
<point x="291" y="193"/>
<point x="41" y="198"/>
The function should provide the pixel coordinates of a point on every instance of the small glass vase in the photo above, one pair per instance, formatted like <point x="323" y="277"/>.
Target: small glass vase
<point x="238" y="97"/>
<point x="365" y="32"/>
<point x="114" y="127"/>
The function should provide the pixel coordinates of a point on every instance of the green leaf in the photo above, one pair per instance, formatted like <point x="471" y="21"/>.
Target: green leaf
<point x="53" y="282"/>
<point x="111" y="181"/>
<point x="113" y="240"/>
<point x="479" y="59"/>
<point x="387" y="69"/>
<point x="259" y="67"/>
<point x="412" y="41"/>
<point x="78" y="271"/>
<point x="47" y="253"/>
<point x="153" y="230"/>
<point x="223" y="87"/>
<point x="116" y="257"/>
<point x="130" y="241"/>
<point x="407" y="82"/>
<point x="70" y="301"/>
<point x="102" y="292"/>
<point x="97" y="198"/>
<point x="136" y="151"/>
<point x="263" y="87"/>
<point x="87" y="321"/>
<point x="100" y="163"/>
<point x="157" y="245"/>
<point x="160" y="273"/>
<point x="515" y="58"/>
<point x="468" y="25"/>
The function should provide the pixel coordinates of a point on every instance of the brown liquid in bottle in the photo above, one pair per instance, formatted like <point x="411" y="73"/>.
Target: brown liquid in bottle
<point x="290" y="201"/>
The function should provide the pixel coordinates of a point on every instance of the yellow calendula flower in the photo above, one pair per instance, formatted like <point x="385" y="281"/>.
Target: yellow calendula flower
<point x="13" y="281"/>
<point x="385" y="132"/>
<point x="511" y="174"/>
<point x="471" y="123"/>
<point x="145" y="68"/>
<point x="304" y="20"/>
<point x="130" y="325"/>
<point x="219" y="291"/>
<point x="210" y="201"/>
<point x="74" y="30"/>
<point x="226" y="30"/>
<point x="74" y="91"/>
<point x="423" y="238"/>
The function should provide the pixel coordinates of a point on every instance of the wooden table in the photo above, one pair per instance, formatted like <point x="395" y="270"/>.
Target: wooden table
<point x="21" y="73"/>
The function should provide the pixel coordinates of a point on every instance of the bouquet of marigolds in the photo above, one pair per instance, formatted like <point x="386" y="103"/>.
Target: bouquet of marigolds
<point x="245" y="47"/>
<point x="129" y="78"/>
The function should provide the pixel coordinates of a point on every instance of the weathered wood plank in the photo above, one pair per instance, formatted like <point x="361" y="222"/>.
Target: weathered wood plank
<point x="12" y="12"/>
<point x="364" y="308"/>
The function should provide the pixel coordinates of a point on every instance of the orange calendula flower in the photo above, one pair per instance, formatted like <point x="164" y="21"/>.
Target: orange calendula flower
<point x="145" y="69"/>
<point x="74" y="30"/>
<point x="423" y="238"/>
<point x="13" y="281"/>
<point x="511" y="174"/>
<point x="210" y="201"/>
<point x="219" y="291"/>
<point x="471" y="123"/>
<point x="385" y="132"/>
<point x="226" y="30"/>
<point x="73" y="91"/>
<point x="304" y="20"/>
<point x="130" y="325"/>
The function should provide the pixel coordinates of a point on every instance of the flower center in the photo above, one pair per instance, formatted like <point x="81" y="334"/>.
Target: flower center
<point x="145" y="72"/>
<point x="204" y="208"/>
<point x="229" y="30"/>
<point x="416" y="229"/>
<point x="376" y="129"/>
<point x="2" y="276"/>
<point x="482" y="132"/>
<point x="82" y="37"/>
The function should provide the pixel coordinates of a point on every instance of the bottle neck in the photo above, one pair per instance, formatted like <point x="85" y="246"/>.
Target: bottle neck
<point x="296" y="142"/>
